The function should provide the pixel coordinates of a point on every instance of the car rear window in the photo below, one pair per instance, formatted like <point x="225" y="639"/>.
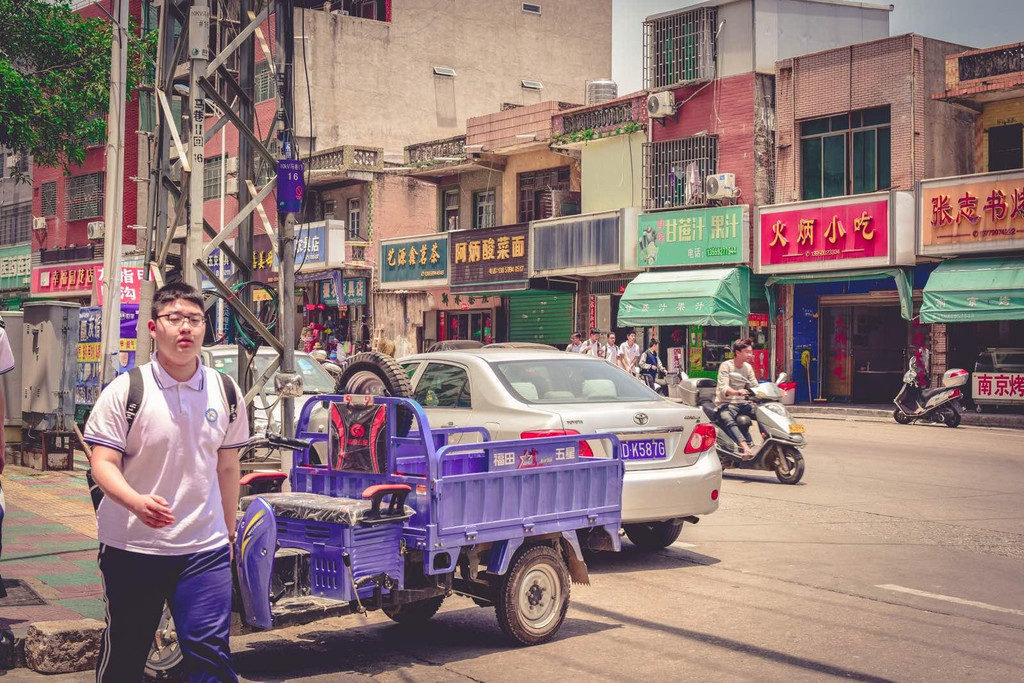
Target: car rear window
<point x="558" y="380"/>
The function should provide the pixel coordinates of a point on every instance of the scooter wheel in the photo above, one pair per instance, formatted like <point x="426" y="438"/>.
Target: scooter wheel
<point x="794" y="461"/>
<point x="901" y="417"/>
<point x="951" y="418"/>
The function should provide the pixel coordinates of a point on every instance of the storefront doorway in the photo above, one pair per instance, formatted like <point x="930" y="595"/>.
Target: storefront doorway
<point x="865" y="352"/>
<point x="473" y="325"/>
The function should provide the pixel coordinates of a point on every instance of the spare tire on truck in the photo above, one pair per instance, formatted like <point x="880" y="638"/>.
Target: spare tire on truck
<point x="378" y="374"/>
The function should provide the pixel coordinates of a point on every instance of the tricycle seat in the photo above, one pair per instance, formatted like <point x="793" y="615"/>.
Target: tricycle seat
<point x="315" y="507"/>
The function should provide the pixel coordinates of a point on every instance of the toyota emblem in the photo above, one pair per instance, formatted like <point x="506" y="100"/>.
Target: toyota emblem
<point x="640" y="419"/>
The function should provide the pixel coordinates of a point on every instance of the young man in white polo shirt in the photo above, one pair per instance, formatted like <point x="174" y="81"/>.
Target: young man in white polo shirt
<point x="629" y="354"/>
<point x="171" y="492"/>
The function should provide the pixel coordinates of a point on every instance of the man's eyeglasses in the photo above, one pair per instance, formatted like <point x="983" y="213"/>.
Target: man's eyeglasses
<point x="176" y="319"/>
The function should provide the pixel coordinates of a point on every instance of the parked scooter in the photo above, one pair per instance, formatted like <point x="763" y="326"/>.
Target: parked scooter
<point x="782" y="437"/>
<point x="334" y="369"/>
<point x="915" y="403"/>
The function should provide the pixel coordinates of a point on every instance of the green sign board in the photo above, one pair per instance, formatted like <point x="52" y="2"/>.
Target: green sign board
<point x="693" y="237"/>
<point x="421" y="260"/>
<point x="15" y="267"/>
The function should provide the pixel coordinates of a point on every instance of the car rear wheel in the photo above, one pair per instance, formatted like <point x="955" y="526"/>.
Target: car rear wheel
<point x="378" y="374"/>
<point x="653" y="535"/>
<point x="415" y="613"/>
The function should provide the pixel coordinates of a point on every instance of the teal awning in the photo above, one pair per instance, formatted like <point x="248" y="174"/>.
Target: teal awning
<point x="965" y="290"/>
<point x="904" y="284"/>
<point x="709" y="296"/>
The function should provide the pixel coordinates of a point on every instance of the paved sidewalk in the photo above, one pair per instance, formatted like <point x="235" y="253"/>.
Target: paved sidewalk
<point x="49" y="544"/>
<point x="848" y="411"/>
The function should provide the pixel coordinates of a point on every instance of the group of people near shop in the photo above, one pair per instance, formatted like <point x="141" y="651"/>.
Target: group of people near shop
<point x="645" y="365"/>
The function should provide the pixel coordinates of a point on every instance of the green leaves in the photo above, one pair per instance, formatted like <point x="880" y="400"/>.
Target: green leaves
<point x="55" y="78"/>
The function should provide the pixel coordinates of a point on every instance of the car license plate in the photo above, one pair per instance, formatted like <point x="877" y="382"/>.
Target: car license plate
<point x="796" y="429"/>
<point x="644" y="449"/>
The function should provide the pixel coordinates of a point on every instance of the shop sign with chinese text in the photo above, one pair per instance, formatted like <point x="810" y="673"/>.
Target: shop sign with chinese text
<point x="65" y="280"/>
<point x="492" y="258"/>
<point x="998" y="387"/>
<point x="353" y="290"/>
<point x="710" y="236"/>
<point x="15" y="267"/>
<point x="835" y="234"/>
<point x="970" y="214"/>
<point x="414" y="262"/>
<point x="319" y="246"/>
<point x="131" y="285"/>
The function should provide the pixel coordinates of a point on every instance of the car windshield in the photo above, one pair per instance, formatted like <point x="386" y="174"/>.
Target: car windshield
<point x="554" y="381"/>
<point x="315" y="379"/>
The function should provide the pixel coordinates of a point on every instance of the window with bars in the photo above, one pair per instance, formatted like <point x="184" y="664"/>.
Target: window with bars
<point x="48" y="196"/>
<point x="85" y="196"/>
<point x="211" y="177"/>
<point x="680" y="48"/>
<point x="265" y="87"/>
<point x="532" y="186"/>
<point x="674" y="171"/>
<point x="264" y="169"/>
<point x="483" y="209"/>
<point x="450" y="210"/>
<point x="845" y="154"/>
<point x="15" y="222"/>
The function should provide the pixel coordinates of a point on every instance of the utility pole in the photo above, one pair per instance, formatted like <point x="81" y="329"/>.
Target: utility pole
<point x="199" y="52"/>
<point x="285" y="216"/>
<point x="113" y="204"/>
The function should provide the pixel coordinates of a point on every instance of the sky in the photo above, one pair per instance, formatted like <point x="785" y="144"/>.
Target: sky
<point x="978" y="23"/>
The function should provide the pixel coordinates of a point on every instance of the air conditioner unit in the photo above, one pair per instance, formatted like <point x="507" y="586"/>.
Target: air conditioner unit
<point x="721" y="186"/>
<point x="231" y="165"/>
<point x="96" y="229"/>
<point x="231" y="185"/>
<point x="661" y="104"/>
<point x="38" y="223"/>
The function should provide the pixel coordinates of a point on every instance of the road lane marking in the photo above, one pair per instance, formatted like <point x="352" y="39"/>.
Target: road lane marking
<point x="949" y="598"/>
<point x="683" y="544"/>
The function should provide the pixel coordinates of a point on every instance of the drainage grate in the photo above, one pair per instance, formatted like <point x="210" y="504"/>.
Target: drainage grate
<point x="20" y="594"/>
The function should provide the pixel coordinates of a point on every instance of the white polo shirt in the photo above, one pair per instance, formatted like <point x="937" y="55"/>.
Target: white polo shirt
<point x="171" y="451"/>
<point x="6" y="356"/>
<point x="630" y="352"/>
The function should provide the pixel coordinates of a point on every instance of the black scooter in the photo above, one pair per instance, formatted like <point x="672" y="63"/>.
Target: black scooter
<point x="941" y="404"/>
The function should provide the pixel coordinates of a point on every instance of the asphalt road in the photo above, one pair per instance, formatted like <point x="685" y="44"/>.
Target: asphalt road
<point x="899" y="557"/>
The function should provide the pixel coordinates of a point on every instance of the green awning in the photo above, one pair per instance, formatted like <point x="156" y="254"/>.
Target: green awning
<point x="709" y="296"/>
<point x="904" y="284"/>
<point x="965" y="290"/>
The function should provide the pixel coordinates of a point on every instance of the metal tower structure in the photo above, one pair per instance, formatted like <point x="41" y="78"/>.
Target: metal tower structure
<point x="206" y="54"/>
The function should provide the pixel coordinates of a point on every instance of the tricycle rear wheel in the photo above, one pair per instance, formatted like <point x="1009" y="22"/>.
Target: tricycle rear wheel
<point x="533" y="596"/>
<point x="413" y="613"/>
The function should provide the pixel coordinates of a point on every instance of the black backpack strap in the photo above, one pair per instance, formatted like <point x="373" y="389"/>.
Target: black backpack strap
<point x="134" y="401"/>
<point x="230" y="396"/>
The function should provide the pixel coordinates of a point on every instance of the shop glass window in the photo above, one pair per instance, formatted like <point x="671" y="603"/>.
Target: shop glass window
<point x="85" y="196"/>
<point x="483" y="209"/>
<point x="450" y="210"/>
<point x="1006" y="147"/>
<point x="443" y="386"/>
<point x="846" y="154"/>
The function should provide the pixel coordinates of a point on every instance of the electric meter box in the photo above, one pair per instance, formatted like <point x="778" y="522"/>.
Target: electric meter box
<point x="49" y="357"/>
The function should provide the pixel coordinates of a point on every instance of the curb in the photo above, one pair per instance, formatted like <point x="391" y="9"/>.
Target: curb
<point x="874" y="415"/>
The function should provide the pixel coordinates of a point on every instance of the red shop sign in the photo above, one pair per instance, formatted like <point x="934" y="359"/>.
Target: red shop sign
<point x="846" y="233"/>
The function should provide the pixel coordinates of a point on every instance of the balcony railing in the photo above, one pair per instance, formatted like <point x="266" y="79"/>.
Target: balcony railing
<point x="1007" y="60"/>
<point x="680" y="48"/>
<point x="348" y="158"/>
<point x="436" y="150"/>
<point x="598" y="119"/>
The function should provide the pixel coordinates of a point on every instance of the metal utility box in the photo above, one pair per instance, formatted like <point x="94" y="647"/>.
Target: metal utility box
<point x="49" y="365"/>
<point x="11" y="381"/>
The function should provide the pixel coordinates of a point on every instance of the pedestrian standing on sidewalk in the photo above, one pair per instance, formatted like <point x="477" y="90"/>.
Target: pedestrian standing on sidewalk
<point x="575" y="343"/>
<point x="594" y="347"/>
<point x="6" y="365"/>
<point x="629" y="354"/>
<point x="611" y="352"/>
<point x="167" y="521"/>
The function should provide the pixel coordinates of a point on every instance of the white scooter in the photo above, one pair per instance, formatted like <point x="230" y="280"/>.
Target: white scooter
<point x="942" y="404"/>
<point x="782" y="437"/>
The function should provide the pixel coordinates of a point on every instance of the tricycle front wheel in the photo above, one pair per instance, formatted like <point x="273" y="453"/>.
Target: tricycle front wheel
<point x="412" y="613"/>
<point x="533" y="596"/>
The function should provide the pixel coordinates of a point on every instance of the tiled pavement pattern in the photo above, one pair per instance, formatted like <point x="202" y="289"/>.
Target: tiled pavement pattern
<point x="49" y="543"/>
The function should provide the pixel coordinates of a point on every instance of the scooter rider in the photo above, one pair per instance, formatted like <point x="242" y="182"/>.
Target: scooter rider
<point x="650" y="364"/>
<point x="732" y="401"/>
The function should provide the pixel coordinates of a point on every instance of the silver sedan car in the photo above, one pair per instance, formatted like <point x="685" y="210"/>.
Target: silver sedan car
<point x="672" y="472"/>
